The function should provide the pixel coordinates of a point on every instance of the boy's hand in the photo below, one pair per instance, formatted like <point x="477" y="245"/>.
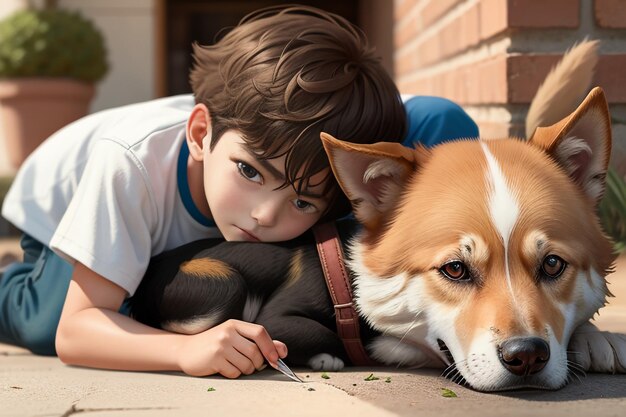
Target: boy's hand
<point x="231" y="349"/>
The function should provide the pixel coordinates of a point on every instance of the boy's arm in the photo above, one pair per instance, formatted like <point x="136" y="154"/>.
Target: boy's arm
<point x="92" y="333"/>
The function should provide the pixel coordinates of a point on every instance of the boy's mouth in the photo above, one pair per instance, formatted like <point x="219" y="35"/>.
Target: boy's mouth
<point x="247" y="236"/>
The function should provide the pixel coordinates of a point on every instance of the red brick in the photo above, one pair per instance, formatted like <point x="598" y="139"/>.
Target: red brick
<point x="470" y="26"/>
<point x="449" y="38"/>
<point x="402" y="7"/>
<point x="610" y="13"/>
<point x="610" y="76"/>
<point x="543" y="13"/>
<point x="493" y="17"/>
<point x="405" y="64"/>
<point x="415" y="86"/>
<point x="455" y="37"/>
<point x="491" y="75"/>
<point x="429" y="51"/>
<point x="512" y="79"/>
<point x="497" y="16"/>
<point x="479" y="83"/>
<point x="408" y="31"/>
<point x="436" y="9"/>
<point x="526" y="72"/>
<point x="461" y="33"/>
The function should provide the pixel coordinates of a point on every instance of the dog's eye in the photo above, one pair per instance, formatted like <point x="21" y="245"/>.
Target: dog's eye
<point x="553" y="266"/>
<point x="455" y="270"/>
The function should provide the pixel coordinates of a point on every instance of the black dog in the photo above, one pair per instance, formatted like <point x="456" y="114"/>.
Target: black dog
<point x="280" y="286"/>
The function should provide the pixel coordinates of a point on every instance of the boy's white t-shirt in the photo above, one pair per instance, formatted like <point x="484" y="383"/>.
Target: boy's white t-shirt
<point x="110" y="190"/>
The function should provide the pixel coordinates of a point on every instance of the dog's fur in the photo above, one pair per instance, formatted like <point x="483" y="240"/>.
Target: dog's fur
<point x="483" y="255"/>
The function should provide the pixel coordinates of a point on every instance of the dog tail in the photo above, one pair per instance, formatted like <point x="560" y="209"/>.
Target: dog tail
<point x="564" y="87"/>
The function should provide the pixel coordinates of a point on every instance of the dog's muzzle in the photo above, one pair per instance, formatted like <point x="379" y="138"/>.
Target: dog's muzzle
<point x="524" y="356"/>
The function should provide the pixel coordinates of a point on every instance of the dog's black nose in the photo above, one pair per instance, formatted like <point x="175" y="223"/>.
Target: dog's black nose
<point x="524" y="355"/>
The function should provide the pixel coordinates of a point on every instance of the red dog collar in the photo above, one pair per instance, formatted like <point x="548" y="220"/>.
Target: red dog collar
<point x="331" y="256"/>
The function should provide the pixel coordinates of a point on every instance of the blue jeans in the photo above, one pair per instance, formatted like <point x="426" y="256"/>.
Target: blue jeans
<point x="32" y="292"/>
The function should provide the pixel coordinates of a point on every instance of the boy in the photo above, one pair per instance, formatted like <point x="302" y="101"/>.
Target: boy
<point x="245" y="162"/>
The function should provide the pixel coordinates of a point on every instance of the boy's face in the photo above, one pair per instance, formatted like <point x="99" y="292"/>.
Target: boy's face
<point x="246" y="199"/>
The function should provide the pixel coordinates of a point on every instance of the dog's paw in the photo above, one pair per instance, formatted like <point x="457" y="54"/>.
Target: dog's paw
<point x="325" y="362"/>
<point x="598" y="351"/>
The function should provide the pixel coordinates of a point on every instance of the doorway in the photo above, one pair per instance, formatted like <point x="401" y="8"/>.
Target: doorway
<point x="182" y="22"/>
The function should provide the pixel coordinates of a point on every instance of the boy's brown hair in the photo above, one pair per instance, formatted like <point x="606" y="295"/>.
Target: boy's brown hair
<point x="285" y="74"/>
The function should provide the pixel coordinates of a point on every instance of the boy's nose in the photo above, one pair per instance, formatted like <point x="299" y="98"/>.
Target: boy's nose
<point x="266" y="213"/>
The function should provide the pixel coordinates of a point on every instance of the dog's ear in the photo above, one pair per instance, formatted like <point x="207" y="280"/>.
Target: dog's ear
<point x="372" y="176"/>
<point x="581" y="143"/>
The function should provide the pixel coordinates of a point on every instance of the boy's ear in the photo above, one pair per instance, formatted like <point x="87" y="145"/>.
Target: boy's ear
<point x="198" y="128"/>
<point x="372" y="176"/>
<point x="581" y="144"/>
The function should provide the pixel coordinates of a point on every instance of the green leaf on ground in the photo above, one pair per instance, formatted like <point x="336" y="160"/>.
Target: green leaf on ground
<point x="371" y="377"/>
<point x="210" y="389"/>
<point x="325" y="375"/>
<point x="448" y="393"/>
<point x="388" y="379"/>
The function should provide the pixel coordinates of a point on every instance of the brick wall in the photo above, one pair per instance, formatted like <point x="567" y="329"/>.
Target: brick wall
<point x="490" y="56"/>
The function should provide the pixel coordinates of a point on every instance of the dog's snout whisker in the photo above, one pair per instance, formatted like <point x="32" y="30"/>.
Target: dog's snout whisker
<point x="574" y="365"/>
<point x="453" y="373"/>
<point x="571" y="375"/>
<point x="448" y="370"/>
<point x="459" y="379"/>
<point x="576" y="369"/>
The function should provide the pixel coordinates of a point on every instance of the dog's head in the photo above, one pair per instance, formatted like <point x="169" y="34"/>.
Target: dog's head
<point x="488" y="250"/>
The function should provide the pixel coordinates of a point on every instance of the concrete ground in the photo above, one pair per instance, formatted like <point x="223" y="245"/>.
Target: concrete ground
<point x="42" y="386"/>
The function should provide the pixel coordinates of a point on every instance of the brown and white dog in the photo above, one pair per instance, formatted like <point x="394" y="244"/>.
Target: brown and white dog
<point x="483" y="255"/>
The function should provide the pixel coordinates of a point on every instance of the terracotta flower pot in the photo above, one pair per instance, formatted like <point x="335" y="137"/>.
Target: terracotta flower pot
<point x="31" y="109"/>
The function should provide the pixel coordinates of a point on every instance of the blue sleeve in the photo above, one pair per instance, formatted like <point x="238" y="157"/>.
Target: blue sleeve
<point x="432" y="120"/>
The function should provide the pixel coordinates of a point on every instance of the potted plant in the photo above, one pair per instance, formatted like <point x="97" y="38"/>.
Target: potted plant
<point x="50" y="60"/>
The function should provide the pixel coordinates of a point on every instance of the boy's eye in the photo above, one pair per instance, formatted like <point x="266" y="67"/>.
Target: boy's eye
<point x="249" y="172"/>
<point x="301" y="204"/>
<point x="304" y="206"/>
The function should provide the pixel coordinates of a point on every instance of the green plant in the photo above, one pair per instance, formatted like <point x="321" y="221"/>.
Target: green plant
<point x="51" y="43"/>
<point x="612" y="209"/>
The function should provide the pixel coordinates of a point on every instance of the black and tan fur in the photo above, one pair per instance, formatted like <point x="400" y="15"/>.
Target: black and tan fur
<point x="280" y="282"/>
